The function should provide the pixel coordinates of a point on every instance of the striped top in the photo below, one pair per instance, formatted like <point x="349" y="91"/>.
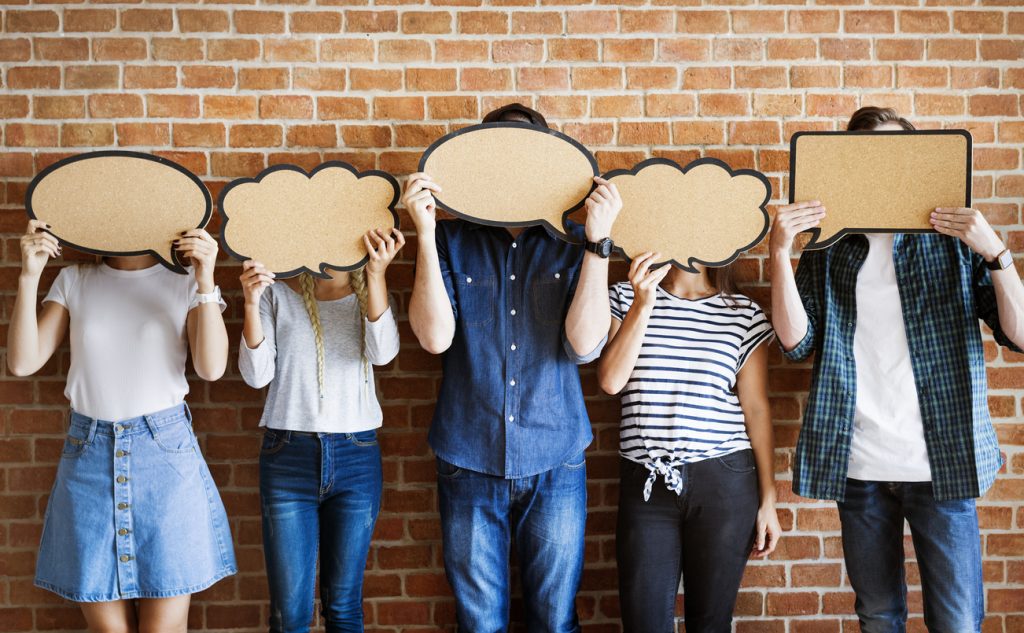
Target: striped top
<point x="679" y="405"/>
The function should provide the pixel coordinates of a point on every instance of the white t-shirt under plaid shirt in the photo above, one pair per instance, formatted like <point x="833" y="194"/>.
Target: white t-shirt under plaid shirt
<point x="679" y="405"/>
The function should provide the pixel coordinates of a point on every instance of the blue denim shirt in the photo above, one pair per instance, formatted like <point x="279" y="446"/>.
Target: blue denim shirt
<point x="944" y="290"/>
<point x="510" y="403"/>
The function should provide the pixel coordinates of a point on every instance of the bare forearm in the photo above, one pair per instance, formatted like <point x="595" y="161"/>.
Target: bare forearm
<point x="589" y="315"/>
<point x="252" y="327"/>
<point x="759" y="430"/>
<point x="1010" y="301"/>
<point x="376" y="296"/>
<point x="619" y="357"/>
<point x="430" y="310"/>
<point x="210" y="348"/>
<point x="789" y="319"/>
<point x="23" y="344"/>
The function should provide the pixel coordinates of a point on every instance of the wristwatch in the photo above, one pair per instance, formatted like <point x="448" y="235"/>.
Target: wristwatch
<point x="602" y="248"/>
<point x="1002" y="261"/>
<point x="208" y="297"/>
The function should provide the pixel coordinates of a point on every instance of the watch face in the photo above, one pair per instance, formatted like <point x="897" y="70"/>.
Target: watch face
<point x="1005" y="259"/>
<point x="605" y="247"/>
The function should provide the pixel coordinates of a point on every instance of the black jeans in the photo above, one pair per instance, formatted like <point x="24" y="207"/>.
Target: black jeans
<point x="704" y="534"/>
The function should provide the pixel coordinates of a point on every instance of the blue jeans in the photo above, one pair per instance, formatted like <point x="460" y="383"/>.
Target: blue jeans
<point x="545" y="514"/>
<point x="318" y="491"/>
<point x="948" y="549"/>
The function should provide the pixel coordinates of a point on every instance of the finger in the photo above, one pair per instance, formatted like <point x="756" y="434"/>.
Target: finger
<point x="390" y="241"/>
<point x="604" y="192"/>
<point x="952" y="218"/>
<point x="614" y="191"/>
<point x="48" y="238"/>
<point x="249" y="264"/>
<point x="420" y="175"/>
<point x="399" y="238"/>
<point x="600" y="181"/>
<point x="964" y="211"/>
<point x="35" y="226"/>
<point x="799" y="205"/>
<point x="422" y="195"/>
<point x="637" y="262"/>
<point x="659" y="273"/>
<point x="803" y="226"/>
<point x="644" y="267"/>
<point x="370" y="250"/>
<point x="424" y="185"/>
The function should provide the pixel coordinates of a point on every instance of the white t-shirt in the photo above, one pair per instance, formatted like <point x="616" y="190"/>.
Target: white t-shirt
<point x="128" y="338"/>
<point x="888" y="435"/>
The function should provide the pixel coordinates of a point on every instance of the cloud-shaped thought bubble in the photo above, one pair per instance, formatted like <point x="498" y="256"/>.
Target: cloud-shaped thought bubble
<point x="119" y="203"/>
<point x="510" y="174"/>
<point x="702" y="213"/>
<point x="879" y="182"/>
<point x="295" y="222"/>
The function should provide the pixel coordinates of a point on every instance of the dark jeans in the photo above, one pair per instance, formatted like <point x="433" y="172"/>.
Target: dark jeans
<point x="704" y="534"/>
<point x="318" y="491"/>
<point x="546" y="515"/>
<point x="948" y="548"/>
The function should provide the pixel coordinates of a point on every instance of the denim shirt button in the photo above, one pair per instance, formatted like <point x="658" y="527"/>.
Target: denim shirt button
<point x="514" y="245"/>
<point x="512" y="382"/>
<point x="513" y="347"/>
<point x="513" y="312"/>
<point x="558" y="275"/>
<point x="511" y="418"/>
<point x="469" y="280"/>
<point x="512" y="277"/>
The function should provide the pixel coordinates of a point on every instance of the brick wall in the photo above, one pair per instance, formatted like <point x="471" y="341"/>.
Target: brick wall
<point x="227" y="89"/>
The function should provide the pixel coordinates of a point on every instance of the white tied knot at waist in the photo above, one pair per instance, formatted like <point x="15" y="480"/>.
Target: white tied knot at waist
<point x="668" y="470"/>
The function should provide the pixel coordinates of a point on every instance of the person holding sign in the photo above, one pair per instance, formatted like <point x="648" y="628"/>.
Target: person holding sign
<point x="513" y="310"/>
<point x="686" y="352"/>
<point x="897" y="424"/>
<point x="134" y="524"/>
<point x="313" y="341"/>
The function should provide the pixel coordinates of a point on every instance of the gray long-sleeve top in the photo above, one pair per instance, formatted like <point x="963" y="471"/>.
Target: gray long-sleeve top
<point x="287" y="361"/>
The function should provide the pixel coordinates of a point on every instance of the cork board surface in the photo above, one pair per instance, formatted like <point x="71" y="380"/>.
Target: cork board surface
<point x="510" y="174"/>
<point x="295" y="222"/>
<point x="119" y="203"/>
<point x="703" y="213"/>
<point x="871" y="182"/>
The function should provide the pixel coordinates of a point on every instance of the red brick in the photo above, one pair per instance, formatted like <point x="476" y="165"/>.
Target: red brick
<point x="90" y="20"/>
<point x="115" y="106"/>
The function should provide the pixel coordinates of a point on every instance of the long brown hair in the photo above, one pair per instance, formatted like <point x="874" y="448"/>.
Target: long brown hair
<point x="870" y="117"/>
<point x="723" y="279"/>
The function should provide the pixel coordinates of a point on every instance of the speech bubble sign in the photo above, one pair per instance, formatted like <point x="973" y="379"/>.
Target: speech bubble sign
<point x="879" y="182"/>
<point x="294" y="222"/>
<point x="119" y="203"/>
<point x="510" y="174"/>
<point x="703" y="213"/>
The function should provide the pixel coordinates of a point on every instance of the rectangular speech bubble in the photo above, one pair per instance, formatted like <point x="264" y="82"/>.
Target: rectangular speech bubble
<point x="879" y="182"/>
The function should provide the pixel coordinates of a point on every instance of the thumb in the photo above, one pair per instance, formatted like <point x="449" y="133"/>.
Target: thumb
<point x="761" y="529"/>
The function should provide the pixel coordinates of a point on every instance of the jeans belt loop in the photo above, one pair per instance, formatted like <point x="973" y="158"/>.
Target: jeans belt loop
<point x="93" y="423"/>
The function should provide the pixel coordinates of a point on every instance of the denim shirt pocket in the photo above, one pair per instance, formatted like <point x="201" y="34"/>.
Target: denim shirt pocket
<point x="476" y="296"/>
<point x="548" y="293"/>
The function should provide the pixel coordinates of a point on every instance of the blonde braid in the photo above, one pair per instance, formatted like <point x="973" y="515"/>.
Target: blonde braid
<point x="357" y="279"/>
<point x="309" y="299"/>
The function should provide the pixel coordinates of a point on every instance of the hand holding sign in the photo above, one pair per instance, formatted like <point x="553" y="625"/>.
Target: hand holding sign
<point x="119" y="203"/>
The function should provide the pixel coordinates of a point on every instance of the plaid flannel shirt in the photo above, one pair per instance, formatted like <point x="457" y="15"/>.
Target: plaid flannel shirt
<point x="944" y="289"/>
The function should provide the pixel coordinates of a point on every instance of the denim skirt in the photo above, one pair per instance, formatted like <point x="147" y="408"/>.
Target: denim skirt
<point x="134" y="512"/>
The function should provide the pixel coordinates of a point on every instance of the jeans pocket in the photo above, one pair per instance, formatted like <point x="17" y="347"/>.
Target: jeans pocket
<point x="273" y="442"/>
<point x="365" y="438"/>
<point x="738" y="462"/>
<point x="175" y="436"/>
<point x="76" y="441"/>
<point x="447" y="469"/>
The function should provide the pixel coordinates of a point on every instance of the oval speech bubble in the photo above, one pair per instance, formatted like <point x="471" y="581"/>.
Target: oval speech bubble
<point x="294" y="222"/>
<point x="703" y="213"/>
<point x="510" y="174"/>
<point x="119" y="203"/>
